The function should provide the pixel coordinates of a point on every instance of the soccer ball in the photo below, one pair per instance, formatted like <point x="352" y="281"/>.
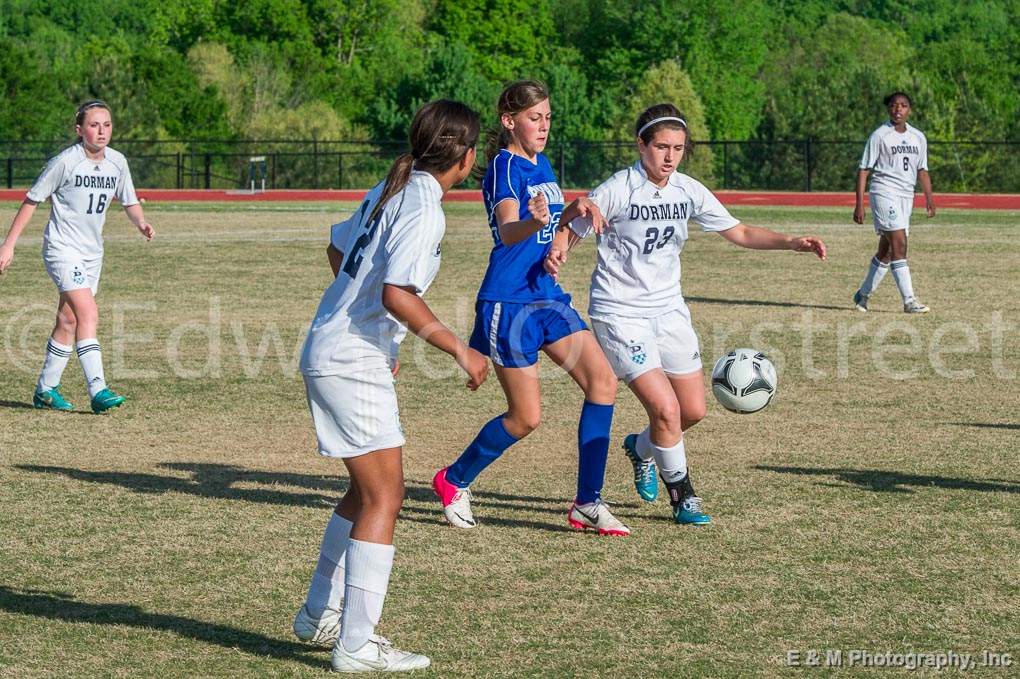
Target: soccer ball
<point x="744" y="381"/>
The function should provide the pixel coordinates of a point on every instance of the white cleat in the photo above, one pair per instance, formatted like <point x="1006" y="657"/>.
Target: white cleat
<point x="915" y="307"/>
<point x="458" y="512"/>
<point x="321" y="631"/>
<point x="595" y="516"/>
<point x="376" y="655"/>
<point x="456" y="501"/>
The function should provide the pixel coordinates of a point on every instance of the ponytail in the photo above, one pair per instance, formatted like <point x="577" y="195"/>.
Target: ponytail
<point x="442" y="133"/>
<point x="396" y="180"/>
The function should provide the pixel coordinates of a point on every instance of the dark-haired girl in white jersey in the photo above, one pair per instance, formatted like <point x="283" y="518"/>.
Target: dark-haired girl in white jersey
<point x="384" y="257"/>
<point x="637" y="308"/>
<point x="81" y="182"/>
<point x="896" y="157"/>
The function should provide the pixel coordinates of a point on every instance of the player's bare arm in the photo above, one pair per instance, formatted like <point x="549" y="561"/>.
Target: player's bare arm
<point x="336" y="259"/>
<point x="584" y="207"/>
<point x="862" y="182"/>
<point x="18" y="225"/>
<point x="758" y="238"/>
<point x="512" y="229"/>
<point x="411" y="310"/>
<point x="929" y="197"/>
<point x="137" y="217"/>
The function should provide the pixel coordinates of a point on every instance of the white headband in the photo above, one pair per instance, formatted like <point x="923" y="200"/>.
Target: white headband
<point x="659" y="120"/>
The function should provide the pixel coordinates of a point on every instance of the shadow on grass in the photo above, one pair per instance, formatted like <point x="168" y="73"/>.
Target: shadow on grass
<point x="16" y="404"/>
<point x="24" y="405"/>
<point x="987" y="425"/>
<point x="64" y="607"/>
<point x="894" y="482"/>
<point x="759" y="302"/>
<point x="222" y="482"/>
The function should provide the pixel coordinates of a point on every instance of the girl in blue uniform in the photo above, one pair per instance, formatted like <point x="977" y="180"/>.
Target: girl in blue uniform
<point x="521" y="310"/>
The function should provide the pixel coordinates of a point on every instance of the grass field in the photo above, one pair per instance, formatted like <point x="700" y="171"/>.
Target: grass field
<point x="874" y="505"/>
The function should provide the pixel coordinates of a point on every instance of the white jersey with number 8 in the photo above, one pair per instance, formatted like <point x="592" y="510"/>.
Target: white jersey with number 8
<point x="894" y="159"/>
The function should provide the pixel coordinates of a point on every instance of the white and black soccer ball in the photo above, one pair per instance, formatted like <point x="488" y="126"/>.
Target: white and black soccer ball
<point x="744" y="381"/>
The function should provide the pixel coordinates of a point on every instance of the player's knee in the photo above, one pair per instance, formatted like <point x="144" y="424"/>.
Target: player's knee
<point x="87" y="316"/>
<point x="520" y="424"/>
<point x="66" y="320"/>
<point x="386" y="503"/>
<point x="667" y="417"/>
<point x="692" y="415"/>
<point x="602" y="388"/>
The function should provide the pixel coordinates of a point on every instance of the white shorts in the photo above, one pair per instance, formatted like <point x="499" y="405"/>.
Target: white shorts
<point x="636" y="345"/>
<point x="74" y="273"/>
<point x="891" y="213"/>
<point x="354" y="413"/>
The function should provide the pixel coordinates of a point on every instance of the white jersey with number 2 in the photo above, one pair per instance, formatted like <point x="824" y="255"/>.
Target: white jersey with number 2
<point x="401" y="246"/>
<point x="637" y="273"/>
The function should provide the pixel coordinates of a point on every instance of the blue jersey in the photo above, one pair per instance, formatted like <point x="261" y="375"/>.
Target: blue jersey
<point x="515" y="272"/>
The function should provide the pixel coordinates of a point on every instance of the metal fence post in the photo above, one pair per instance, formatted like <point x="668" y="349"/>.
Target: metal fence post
<point x="315" y="161"/>
<point x="208" y="171"/>
<point x="340" y="170"/>
<point x="807" y="164"/>
<point x="563" y="166"/>
<point x="726" y="165"/>
<point x="180" y="170"/>
<point x="10" y="172"/>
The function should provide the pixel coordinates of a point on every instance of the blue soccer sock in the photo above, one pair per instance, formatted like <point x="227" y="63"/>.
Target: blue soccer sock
<point x="490" y="443"/>
<point x="593" y="449"/>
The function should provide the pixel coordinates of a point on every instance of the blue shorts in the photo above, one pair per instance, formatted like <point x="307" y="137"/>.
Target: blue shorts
<point x="512" y="333"/>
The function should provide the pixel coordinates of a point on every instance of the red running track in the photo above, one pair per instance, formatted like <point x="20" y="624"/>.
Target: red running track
<point x="975" y="201"/>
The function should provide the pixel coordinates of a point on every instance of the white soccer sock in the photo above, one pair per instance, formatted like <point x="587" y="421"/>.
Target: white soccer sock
<point x="644" y="445"/>
<point x="368" y="576"/>
<point x="57" y="356"/>
<point x="91" y="360"/>
<point x="327" y="588"/>
<point x="672" y="462"/>
<point x="876" y="272"/>
<point x="901" y="272"/>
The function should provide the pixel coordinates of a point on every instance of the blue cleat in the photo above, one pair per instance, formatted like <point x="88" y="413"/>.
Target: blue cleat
<point x="51" y="399"/>
<point x="689" y="512"/>
<point x="646" y="483"/>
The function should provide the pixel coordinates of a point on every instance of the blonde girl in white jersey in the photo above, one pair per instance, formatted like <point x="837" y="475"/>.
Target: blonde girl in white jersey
<point x="896" y="157"/>
<point x="81" y="182"/>
<point x="637" y="307"/>
<point x="384" y="258"/>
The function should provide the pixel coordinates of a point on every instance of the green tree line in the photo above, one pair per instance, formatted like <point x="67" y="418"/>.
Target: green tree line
<point x="357" y="69"/>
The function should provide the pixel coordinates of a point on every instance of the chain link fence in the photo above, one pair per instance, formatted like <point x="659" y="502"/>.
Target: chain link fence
<point x="795" y="165"/>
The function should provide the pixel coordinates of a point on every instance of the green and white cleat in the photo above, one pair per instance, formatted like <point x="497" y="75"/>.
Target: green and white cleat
<point x="689" y="512"/>
<point x="105" y="400"/>
<point x="646" y="482"/>
<point x="51" y="399"/>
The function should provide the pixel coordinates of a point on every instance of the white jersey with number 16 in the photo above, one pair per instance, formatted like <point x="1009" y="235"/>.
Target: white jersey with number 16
<point x="81" y="190"/>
